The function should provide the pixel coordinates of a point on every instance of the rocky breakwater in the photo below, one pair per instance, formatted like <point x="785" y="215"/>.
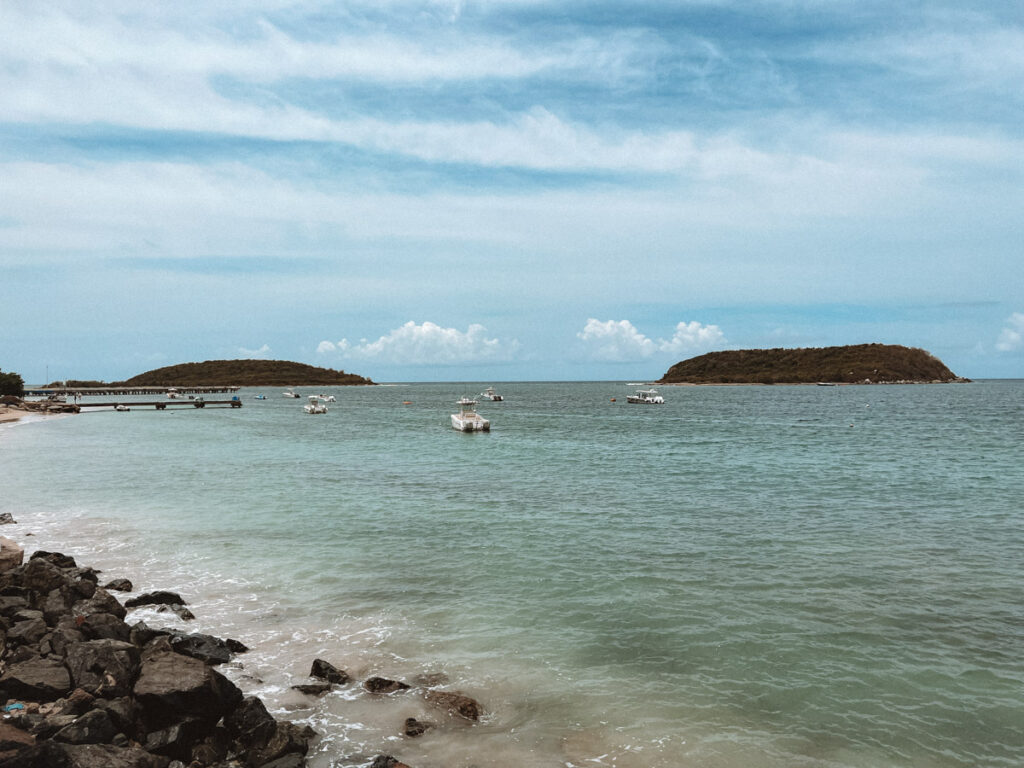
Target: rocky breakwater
<point x="83" y="689"/>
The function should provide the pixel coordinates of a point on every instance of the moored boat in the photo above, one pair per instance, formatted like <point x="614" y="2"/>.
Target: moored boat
<point x="490" y="394"/>
<point x="646" y="396"/>
<point x="289" y="393"/>
<point x="467" y="419"/>
<point x="314" y="405"/>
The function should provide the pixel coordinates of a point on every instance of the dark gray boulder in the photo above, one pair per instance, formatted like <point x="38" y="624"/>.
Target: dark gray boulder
<point x="36" y="679"/>
<point x="105" y="668"/>
<point x="160" y="597"/>
<point x="94" y="727"/>
<point x="383" y="685"/>
<point x="118" y="585"/>
<point x="324" y="670"/>
<point x="172" y="687"/>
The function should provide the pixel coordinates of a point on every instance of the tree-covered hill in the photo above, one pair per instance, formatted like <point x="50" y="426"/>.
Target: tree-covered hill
<point x="855" y="364"/>
<point x="243" y="373"/>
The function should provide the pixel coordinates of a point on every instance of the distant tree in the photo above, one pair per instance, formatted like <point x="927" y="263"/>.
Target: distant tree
<point x="11" y="384"/>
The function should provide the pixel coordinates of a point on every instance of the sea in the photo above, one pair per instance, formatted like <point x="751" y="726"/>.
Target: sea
<point x="766" y="576"/>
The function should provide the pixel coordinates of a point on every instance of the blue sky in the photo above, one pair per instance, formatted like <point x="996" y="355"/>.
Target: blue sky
<point x="507" y="190"/>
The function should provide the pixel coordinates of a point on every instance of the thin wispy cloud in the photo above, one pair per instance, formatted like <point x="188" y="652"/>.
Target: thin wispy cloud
<point x="1011" y="338"/>
<point x="262" y="353"/>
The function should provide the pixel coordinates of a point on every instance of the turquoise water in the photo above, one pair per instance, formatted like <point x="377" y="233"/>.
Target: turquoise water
<point x="770" y="576"/>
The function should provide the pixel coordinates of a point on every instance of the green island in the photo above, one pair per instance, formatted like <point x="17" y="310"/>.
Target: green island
<point x="852" y="364"/>
<point x="232" y="373"/>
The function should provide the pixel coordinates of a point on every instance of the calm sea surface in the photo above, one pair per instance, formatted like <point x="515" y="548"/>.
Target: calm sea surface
<point x="743" y="576"/>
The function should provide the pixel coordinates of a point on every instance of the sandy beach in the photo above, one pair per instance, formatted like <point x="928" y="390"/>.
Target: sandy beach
<point x="9" y="414"/>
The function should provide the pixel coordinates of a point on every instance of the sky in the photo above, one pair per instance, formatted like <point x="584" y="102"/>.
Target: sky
<point x="508" y="189"/>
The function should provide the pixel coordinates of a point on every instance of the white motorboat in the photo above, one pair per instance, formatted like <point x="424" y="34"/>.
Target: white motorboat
<point x="314" y="405"/>
<point x="325" y="398"/>
<point x="467" y="419"/>
<point x="172" y="393"/>
<point x="261" y="397"/>
<point x="646" y="396"/>
<point x="289" y="393"/>
<point x="490" y="394"/>
<point x="121" y="407"/>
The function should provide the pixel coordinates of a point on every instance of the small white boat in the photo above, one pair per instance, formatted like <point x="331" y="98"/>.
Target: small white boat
<point x="260" y="397"/>
<point x="467" y="419"/>
<point x="314" y="405"/>
<point x="172" y="393"/>
<point x="490" y="394"/>
<point x="646" y="396"/>
<point x="121" y="407"/>
<point x="289" y="393"/>
<point x="325" y="398"/>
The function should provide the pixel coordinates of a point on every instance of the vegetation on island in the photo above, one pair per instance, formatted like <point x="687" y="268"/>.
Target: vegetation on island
<point x="854" y="364"/>
<point x="243" y="373"/>
<point x="11" y="384"/>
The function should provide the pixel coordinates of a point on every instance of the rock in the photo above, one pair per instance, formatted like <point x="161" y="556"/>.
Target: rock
<point x="104" y="668"/>
<point x="207" y="648"/>
<point x="313" y="689"/>
<point x="172" y="687"/>
<point x="288" y="738"/>
<point x="118" y="585"/>
<point x="36" y="679"/>
<point x="293" y="760"/>
<point x="414" y="727"/>
<point x="387" y="761"/>
<point x="27" y="632"/>
<point x="9" y="604"/>
<point x="94" y="727"/>
<point x="177" y="740"/>
<point x="105" y="626"/>
<point x="12" y="739"/>
<point x="52" y="754"/>
<point x="383" y="685"/>
<point x="250" y="724"/>
<point x="11" y="554"/>
<point x="124" y="713"/>
<point x="159" y="597"/>
<point x="324" y="670"/>
<point x="456" y="703"/>
<point x="100" y="602"/>
<point x="6" y="518"/>
<point x="180" y="611"/>
<point x="58" y="559"/>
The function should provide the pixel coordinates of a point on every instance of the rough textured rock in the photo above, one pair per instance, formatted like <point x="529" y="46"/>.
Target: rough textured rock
<point x="455" y="703"/>
<point x="12" y="739"/>
<point x="313" y="689"/>
<point x="118" y="585"/>
<point x="11" y="554"/>
<point x="206" y="648"/>
<point x="36" y="679"/>
<point x="387" y="761"/>
<point x="172" y="687"/>
<point x="6" y="518"/>
<point x="324" y="670"/>
<point x="160" y="597"/>
<point x="414" y="727"/>
<point x="104" y="668"/>
<point x="94" y="727"/>
<point x="383" y="685"/>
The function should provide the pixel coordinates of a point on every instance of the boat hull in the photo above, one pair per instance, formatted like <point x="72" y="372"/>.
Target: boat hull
<point x="478" y="424"/>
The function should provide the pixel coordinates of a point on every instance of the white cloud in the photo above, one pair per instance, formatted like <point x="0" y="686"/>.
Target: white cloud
<point x="1012" y="337"/>
<point x="255" y="354"/>
<point x="693" y="337"/>
<point x="619" y="340"/>
<point x="426" y="344"/>
<point x="615" y="340"/>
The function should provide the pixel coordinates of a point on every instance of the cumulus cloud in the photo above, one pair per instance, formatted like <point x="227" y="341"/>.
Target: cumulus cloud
<point x="619" y="340"/>
<point x="1012" y="337"/>
<point x="426" y="344"/>
<point x="255" y="354"/>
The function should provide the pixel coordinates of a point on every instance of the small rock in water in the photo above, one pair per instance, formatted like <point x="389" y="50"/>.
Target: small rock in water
<point x="456" y="703"/>
<point x="414" y="727"/>
<point x="6" y="518"/>
<point x="327" y="671"/>
<point x="160" y="597"/>
<point x="119" y="585"/>
<point x="383" y="685"/>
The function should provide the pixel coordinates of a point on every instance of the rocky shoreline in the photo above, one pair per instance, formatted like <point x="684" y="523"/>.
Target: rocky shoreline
<point x="83" y="688"/>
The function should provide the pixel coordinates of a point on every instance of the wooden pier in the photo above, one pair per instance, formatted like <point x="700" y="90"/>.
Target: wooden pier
<point x="163" y="405"/>
<point x="116" y="391"/>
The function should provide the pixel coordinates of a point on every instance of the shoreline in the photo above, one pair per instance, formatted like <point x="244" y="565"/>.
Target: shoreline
<point x="87" y="683"/>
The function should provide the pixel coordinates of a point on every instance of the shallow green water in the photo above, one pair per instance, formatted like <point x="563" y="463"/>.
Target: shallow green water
<point x="776" y="576"/>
